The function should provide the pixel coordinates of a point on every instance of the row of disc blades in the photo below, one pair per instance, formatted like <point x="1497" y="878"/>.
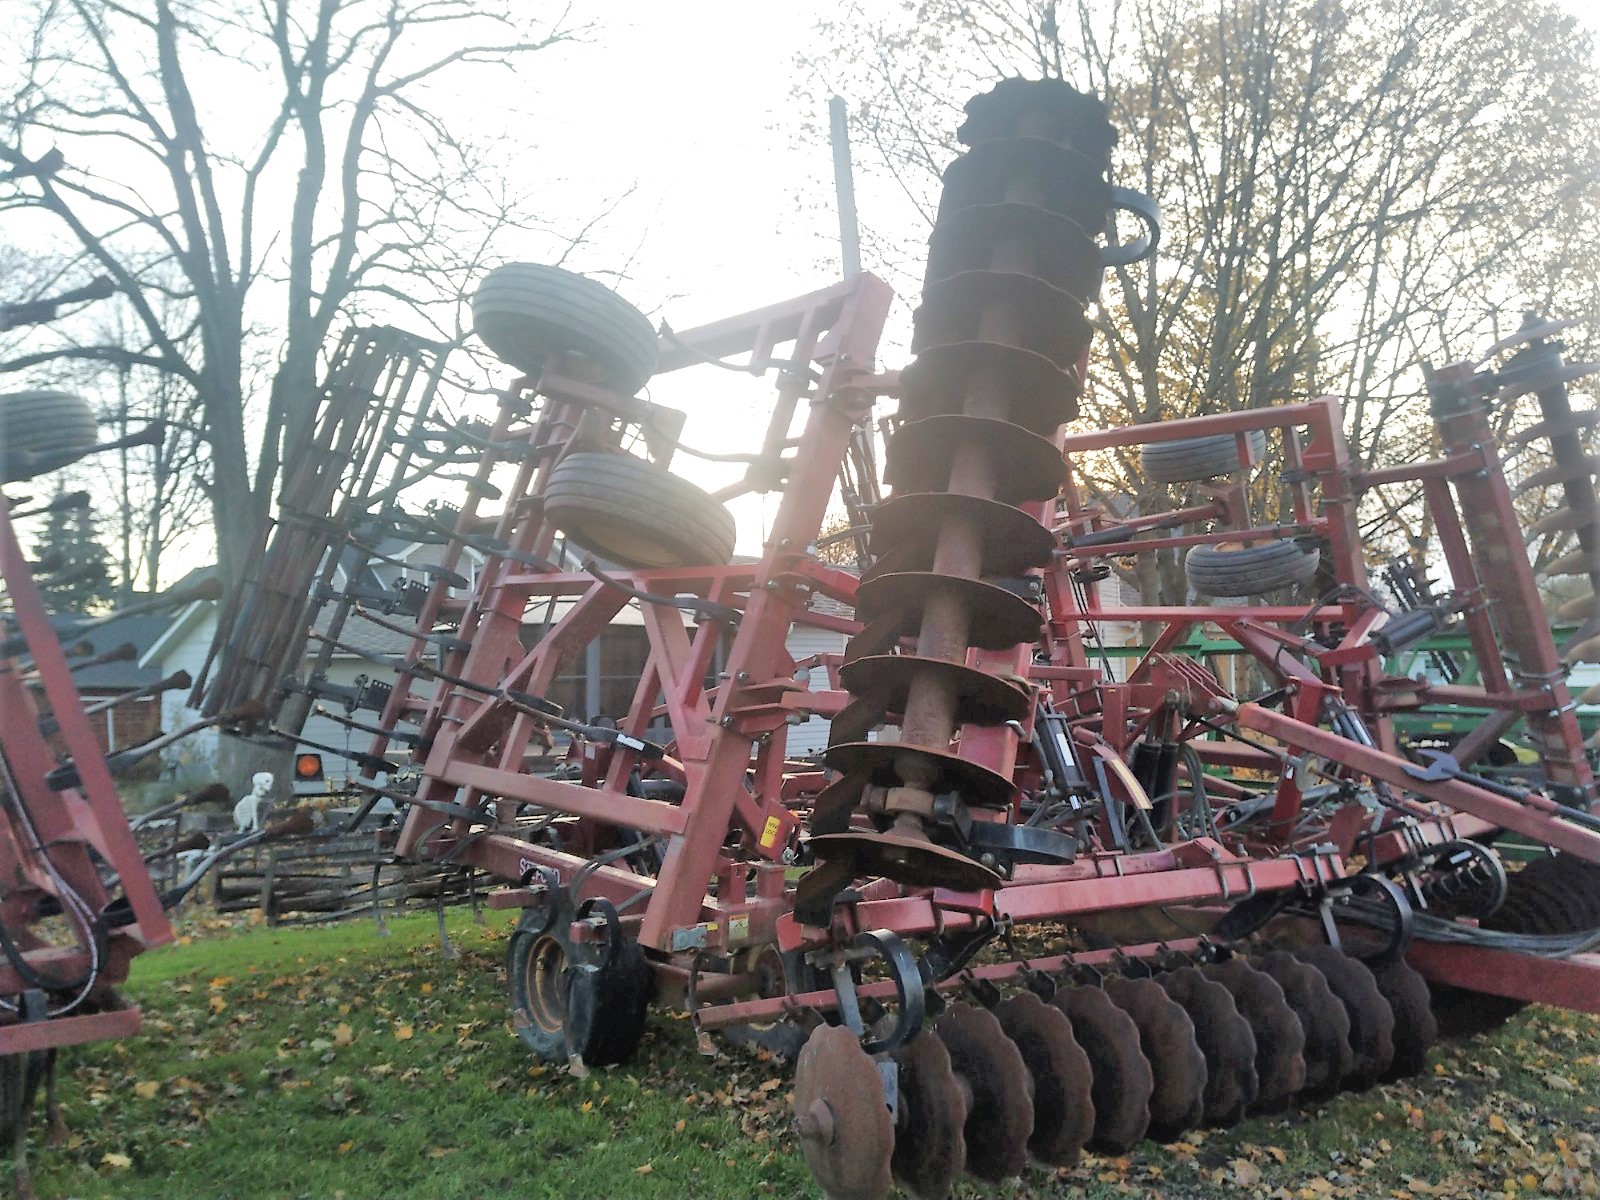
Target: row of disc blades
<point x="1104" y="1065"/>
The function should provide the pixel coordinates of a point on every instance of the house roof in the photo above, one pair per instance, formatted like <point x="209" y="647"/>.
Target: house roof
<point x="139" y="632"/>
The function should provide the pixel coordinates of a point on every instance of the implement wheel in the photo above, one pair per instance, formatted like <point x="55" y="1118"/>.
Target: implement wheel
<point x="576" y="1002"/>
<point x="1235" y="569"/>
<point x="42" y="430"/>
<point x="636" y="514"/>
<point x="527" y="313"/>
<point x="1198" y="458"/>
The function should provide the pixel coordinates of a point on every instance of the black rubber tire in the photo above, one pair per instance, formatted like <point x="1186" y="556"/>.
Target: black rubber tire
<point x="541" y="967"/>
<point x="527" y="312"/>
<point x="1232" y="569"/>
<point x="1193" y="459"/>
<point x="51" y="428"/>
<point x="1551" y="895"/>
<point x="636" y="514"/>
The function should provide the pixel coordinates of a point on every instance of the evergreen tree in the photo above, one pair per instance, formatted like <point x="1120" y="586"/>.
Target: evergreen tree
<point x="75" y="572"/>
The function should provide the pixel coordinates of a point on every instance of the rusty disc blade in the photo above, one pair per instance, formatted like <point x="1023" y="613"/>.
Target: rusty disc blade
<point x="1322" y="1017"/>
<point x="1012" y="541"/>
<point x="1371" y="1018"/>
<point x="841" y="1120"/>
<point x="981" y="697"/>
<point x="1049" y="321"/>
<point x="930" y="1149"/>
<point x="1580" y="472"/>
<point x="976" y="783"/>
<point x="1280" y="1038"/>
<point x="1000" y="1118"/>
<point x="1047" y="106"/>
<point x="1580" y="609"/>
<point x="1526" y="334"/>
<point x="1063" y="1108"/>
<point x="1566" y="373"/>
<point x="998" y="619"/>
<point x="1415" y="1027"/>
<point x="1561" y="520"/>
<point x="1576" y="562"/>
<point x="1225" y="1039"/>
<point x="909" y="860"/>
<point x="919" y="456"/>
<point x="1058" y="250"/>
<point x="1178" y="1068"/>
<point x="1122" y="1080"/>
<point x="1063" y="180"/>
<point x="1587" y="650"/>
<point x="1040" y="395"/>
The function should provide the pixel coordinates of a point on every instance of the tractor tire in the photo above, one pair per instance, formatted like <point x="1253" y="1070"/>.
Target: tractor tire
<point x="1235" y="569"/>
<point x="1193" y="459"/>
<point x="527" y="313"/>
<point x="1551" y="895"/>
<point x="636" y="514"/>
<point x="41" y="431"/>
<point x="564" y="1006"/>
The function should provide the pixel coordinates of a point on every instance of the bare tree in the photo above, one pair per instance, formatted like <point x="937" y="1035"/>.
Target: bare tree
<point x="252" y="173"/>
<point x="271" y="167"/>
<point x="1347" y="192"/>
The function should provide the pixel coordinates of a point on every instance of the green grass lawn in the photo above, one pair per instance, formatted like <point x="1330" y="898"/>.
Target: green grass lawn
<point x="334" y="1063"/>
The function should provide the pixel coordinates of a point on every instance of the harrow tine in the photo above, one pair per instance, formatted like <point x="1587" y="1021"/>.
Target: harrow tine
<point x="1225" y="1039"/>
<point x="1063" y="1108"/>
<point x="1280" y="1038"/>
<point x="1167" y="1035"/>
<point x="1122" y="1081"/>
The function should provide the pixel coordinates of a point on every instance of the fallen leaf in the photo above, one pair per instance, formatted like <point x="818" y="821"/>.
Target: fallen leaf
<point x="146" y="1090"/>
<point x="404" y="1033"/>
<point x="346" y="1147"/>
<point x="1245" y="1172"/>
<point x="343" y="1035"/>
<point x="644" y="1170"/>
<point x="120" y="1161"/>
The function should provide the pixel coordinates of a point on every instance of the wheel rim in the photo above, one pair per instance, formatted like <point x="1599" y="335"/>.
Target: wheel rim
<point x="544" y="984"/>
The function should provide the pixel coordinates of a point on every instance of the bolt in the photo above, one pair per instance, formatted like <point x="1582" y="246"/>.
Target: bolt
<point x="816" y="1123"/>
<point x="743" y="677"/>
<point x="726" y="722"/>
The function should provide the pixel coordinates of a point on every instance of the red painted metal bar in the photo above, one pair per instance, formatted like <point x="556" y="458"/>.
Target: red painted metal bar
<point x="68" y="1031"/>
<point x="1565" y="982"/>
<point x="775" y="1007"/>
<point x="1536" y="817"/>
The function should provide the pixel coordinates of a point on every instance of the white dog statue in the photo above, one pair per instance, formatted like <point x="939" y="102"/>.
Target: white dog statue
<point x="248" y="812"/>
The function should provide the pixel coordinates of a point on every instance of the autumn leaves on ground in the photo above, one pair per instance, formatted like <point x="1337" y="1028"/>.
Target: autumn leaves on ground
<point x="337" y="1064"/>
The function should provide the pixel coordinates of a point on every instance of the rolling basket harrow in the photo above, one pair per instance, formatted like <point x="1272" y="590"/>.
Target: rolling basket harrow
<point x="1024" y="903"/>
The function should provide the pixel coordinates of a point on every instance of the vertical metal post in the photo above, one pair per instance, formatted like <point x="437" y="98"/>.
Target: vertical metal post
<point x="845" y="187"/>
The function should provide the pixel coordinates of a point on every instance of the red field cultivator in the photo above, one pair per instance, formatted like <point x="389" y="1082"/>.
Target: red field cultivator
<point x="1023" y="903"/>
<point x="76" y="898"/>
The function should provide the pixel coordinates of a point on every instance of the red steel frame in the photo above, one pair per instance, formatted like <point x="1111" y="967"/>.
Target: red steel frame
<point x="73" y="827"/>
<point x="723" y="881"/>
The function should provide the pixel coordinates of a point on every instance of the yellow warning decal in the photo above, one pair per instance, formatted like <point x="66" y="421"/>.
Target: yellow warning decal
<point x="769" y="834"/>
